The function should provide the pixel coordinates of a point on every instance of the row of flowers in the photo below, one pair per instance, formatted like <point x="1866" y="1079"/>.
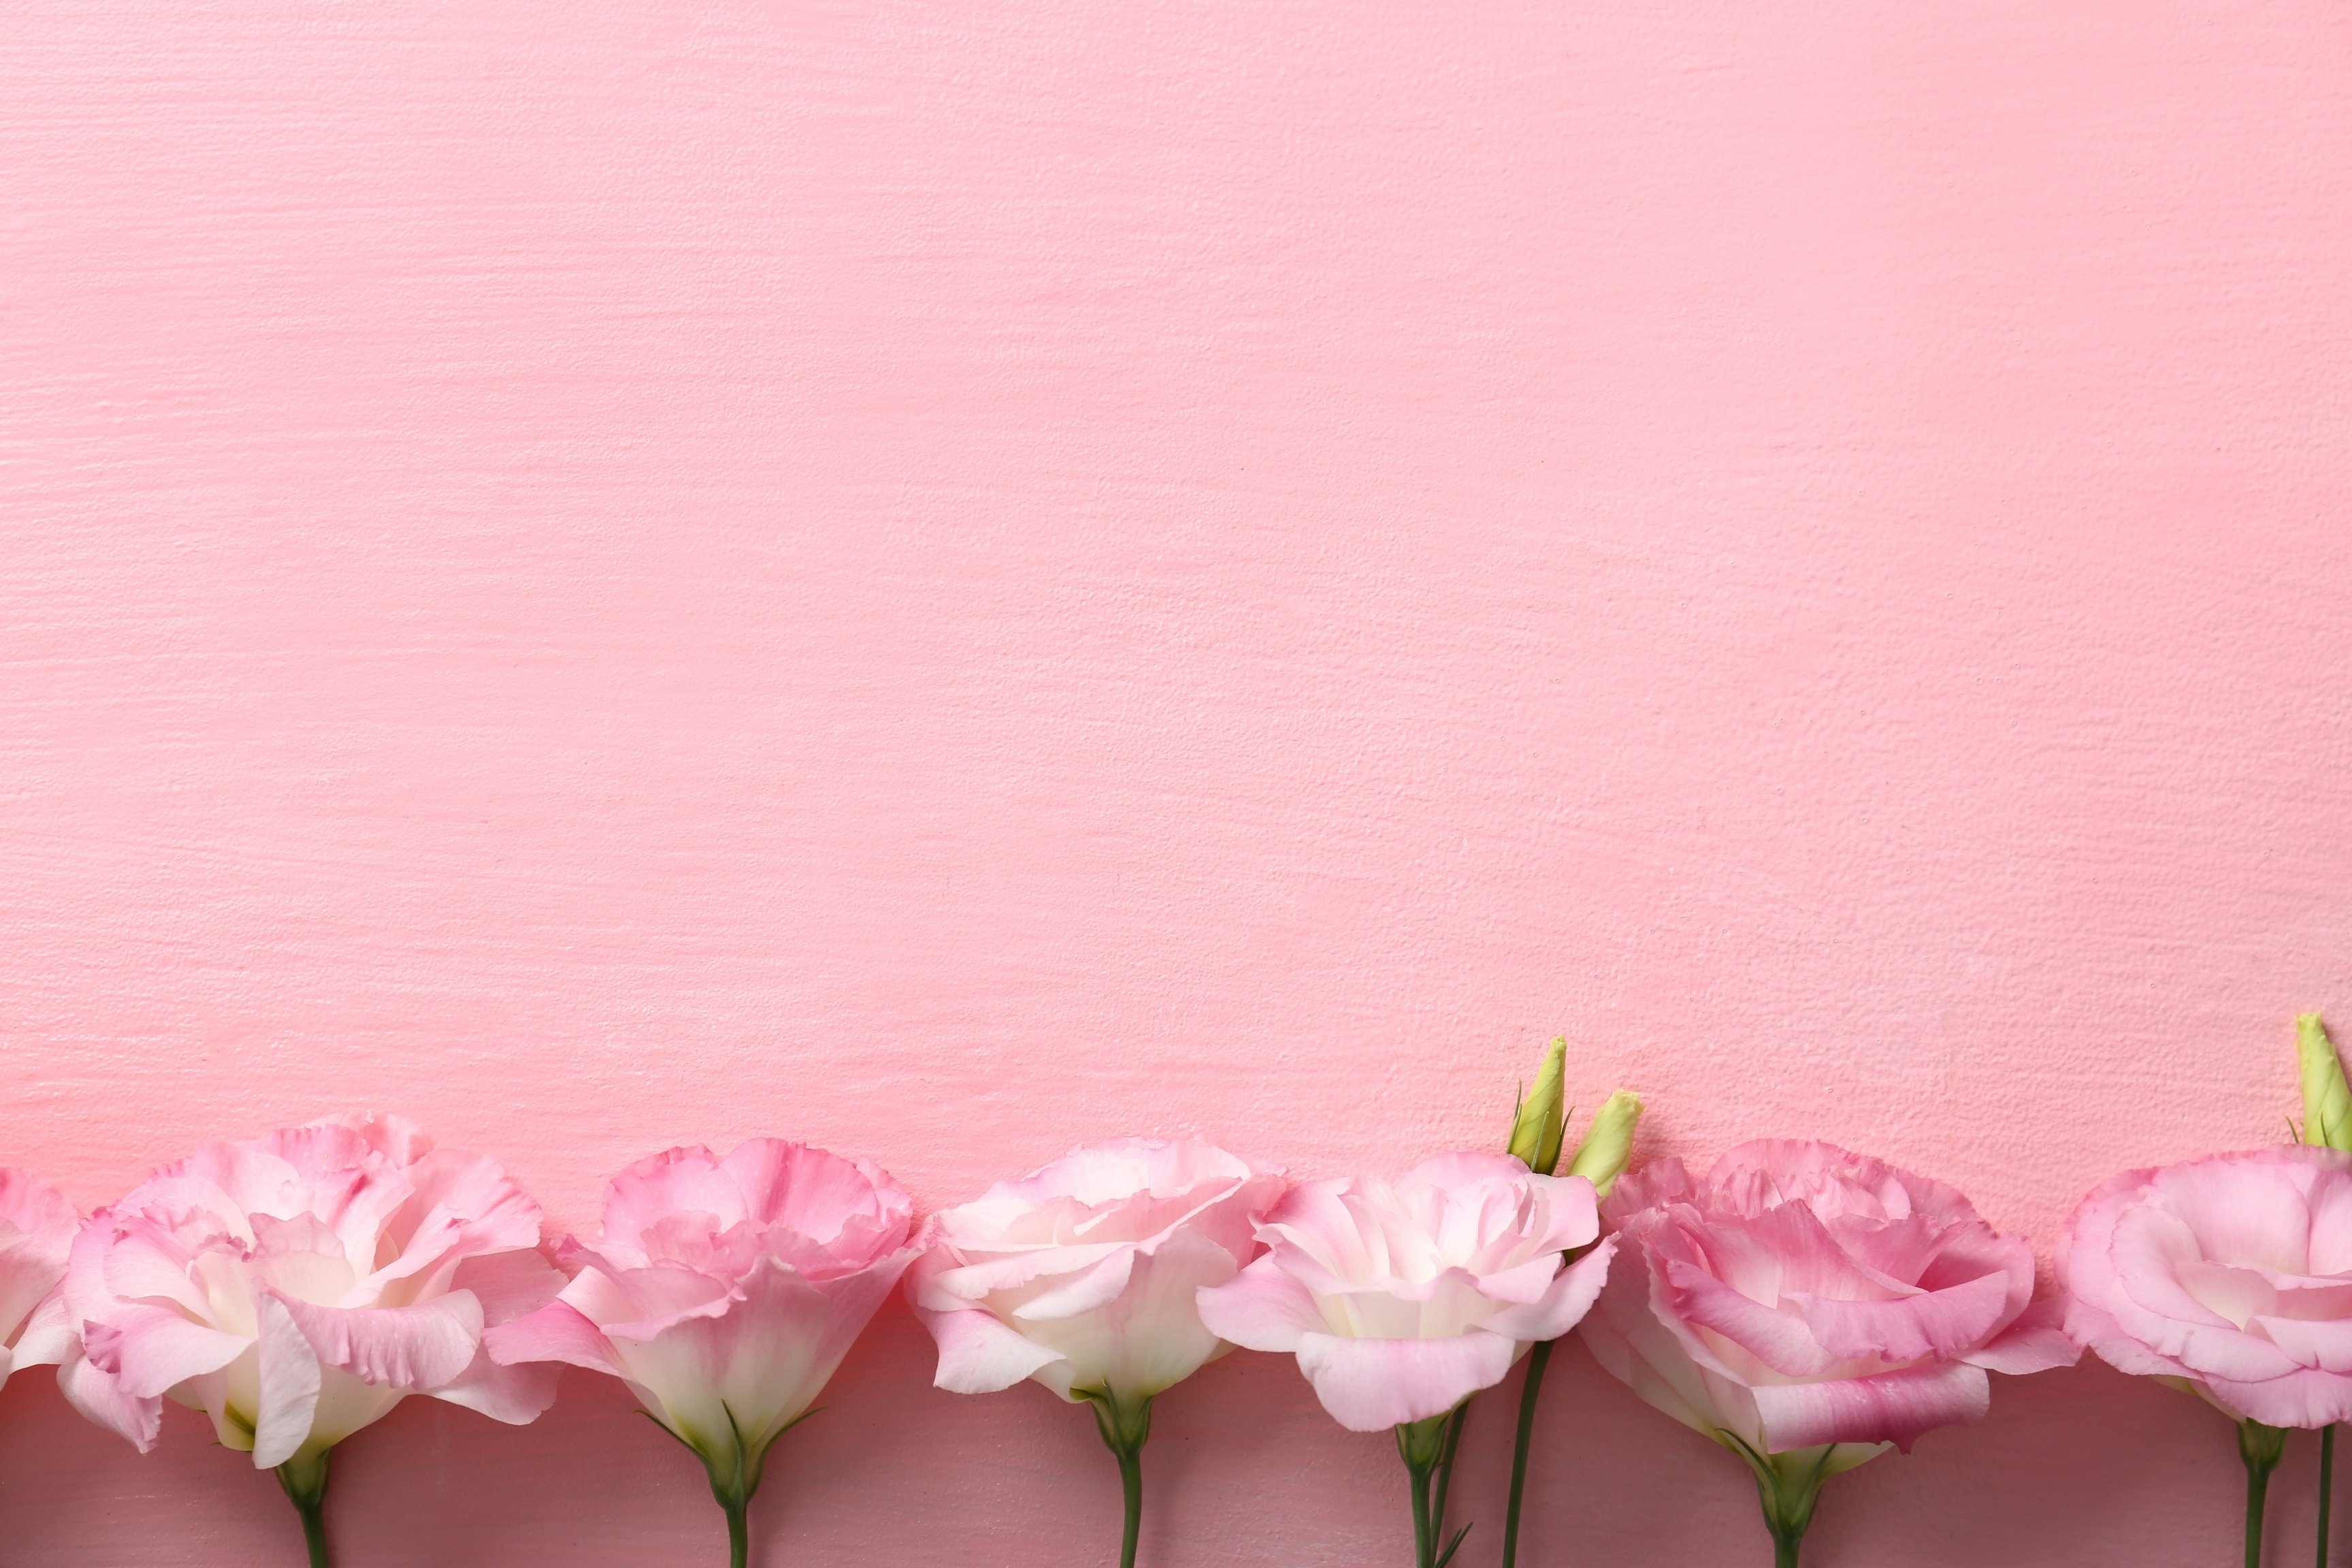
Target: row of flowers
<point x="1804" y="1307"/>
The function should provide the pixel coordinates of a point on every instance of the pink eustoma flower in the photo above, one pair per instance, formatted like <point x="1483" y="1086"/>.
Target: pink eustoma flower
<point x="1401" y="1299"/>
<point x="1083" y="1276"/>
<point x="2230" y="1276"/>
<point x="1807" y="1308"/>
<point x="725" y="1292"/>
<point x="36" y="1232"/>
<point x="298" y="1287"/>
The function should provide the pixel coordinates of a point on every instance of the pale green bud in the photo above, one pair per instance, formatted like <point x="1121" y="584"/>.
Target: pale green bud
<point x="1536" y="1125"/>
<point x="1608" y="1143"/>
<point x="2326" y="1102"/>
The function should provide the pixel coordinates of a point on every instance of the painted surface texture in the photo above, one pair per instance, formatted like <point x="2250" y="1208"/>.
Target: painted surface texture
<point x="941" y="579"/>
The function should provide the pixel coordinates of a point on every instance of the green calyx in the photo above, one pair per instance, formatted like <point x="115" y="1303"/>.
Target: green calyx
<point x="304" y="1479"/>
<point x="1789" y="1486"/>
<point x="735" y="1466"/>
<point x="1427" y="1448"/>
<point x="1124" y="1423"/>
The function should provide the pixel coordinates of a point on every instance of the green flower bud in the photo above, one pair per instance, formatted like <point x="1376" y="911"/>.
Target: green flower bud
<point x="1536" y="1125"/>
<point x="1600" y="1158"/>
<point x="2326" y="1102"/>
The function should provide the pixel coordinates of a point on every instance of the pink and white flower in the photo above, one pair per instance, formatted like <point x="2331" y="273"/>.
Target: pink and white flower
<point x="1401" y="1299"/>
<point x="1082" y="1275"/>
<point x="1804" y="1297"/>
<point x="2230" y="1276"/>
<point x="298" y="1287"/>
<point x="725" y="1291"/>
<point x="36" y="1232"/>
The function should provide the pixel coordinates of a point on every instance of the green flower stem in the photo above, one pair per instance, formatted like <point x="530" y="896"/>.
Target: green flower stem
<point x="1425" y="1448"/>
<point x="1445" y="1483"/>
<point x="304" y="1479"/>
<point x="2260" y="1446"/>
<point x="739" y="1530"/>
<point x="1126" y="1426"/>
<point x="1538" y="1358"/>
<point x="2327" y="1486"/>
<point x="1790" y="1485"/>
<point x="734" y="1469"/>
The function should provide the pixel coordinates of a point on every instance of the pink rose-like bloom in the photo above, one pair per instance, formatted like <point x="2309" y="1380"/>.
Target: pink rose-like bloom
<point x="298" y="1287"/>
<point x="1402" y="1298"/>
<point x="724" y="1291"/>
<point x="2231" y="1275"/>
<point x="1804" y="1296"/>
<point x="1082" y="1276"/>
<point x="36" y="1232"/>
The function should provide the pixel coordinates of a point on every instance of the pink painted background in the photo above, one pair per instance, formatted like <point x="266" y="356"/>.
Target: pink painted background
<point x="944" y="579"/>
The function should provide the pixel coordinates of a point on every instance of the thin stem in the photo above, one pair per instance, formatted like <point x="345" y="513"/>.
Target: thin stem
<point x="1424" y="1532"/>
<point x="1131" y="1478"/>
<point x="739" y="1531"/>
<point x="2327" y="1486"/>
<point x="1537" y="1360"/>
<point x="2258" y="1485"/>
<point x="1423" y="1445"/>
<point x="1784" y="1549"/>
<point x="2260" y="1446"/>
<point x="1445" y="1470"/>
<point x="1125" y="1424"/>
<point x="304" y="1480"/>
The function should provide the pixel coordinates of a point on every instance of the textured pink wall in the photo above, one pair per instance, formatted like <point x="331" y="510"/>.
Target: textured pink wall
<point x="947" y="578"/>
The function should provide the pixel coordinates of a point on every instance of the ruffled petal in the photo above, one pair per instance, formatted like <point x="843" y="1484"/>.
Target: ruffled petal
<point x="415" y="1348"/>
<point x="558" y="1331"/>
<point x="152" y="1350"/>
<point x="1561" y="1306"/>
<point x="98" y="1396"/>
<point x="516" y="1395"/>
<point x="2036" y="1341"/>
<point x="1263" y="1308"/>
<point x="1942" y="1324"/>
<point x="1369" y="1386"/>
<point x="290" y="1376"/>
<point x="48" y="1338"/>
<point x="978" y="1353"/>
<point x="1892" y="1407"/>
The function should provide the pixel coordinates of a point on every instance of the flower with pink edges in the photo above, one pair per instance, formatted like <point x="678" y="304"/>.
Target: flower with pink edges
<point x="2230" y="1276"/>
<point x="295" y="1288"/>
<point x="725" y="1292"/>
<point x="1083" y="1275"/>
<point x="1401" y="1299"/>
<point x="1808" y="1307"/>
<point x="36" y="1233"/>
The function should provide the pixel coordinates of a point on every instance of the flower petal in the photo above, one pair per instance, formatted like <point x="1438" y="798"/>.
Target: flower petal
<point x="1892" y="1407"/>
<point x="516" y="1395"/>
<point x="977" y="1354"/>
<point x="2036" y="1341"/>
<point x="1263" y="1308"/>
<point x="152" y="1350"/>
<point x="1371" y="1384"/>
<point x="558" y="1333"/>
<point x="290" y="1376"/>
<point x="415" y="1348"/>
<point x="1561" y="1306"/>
